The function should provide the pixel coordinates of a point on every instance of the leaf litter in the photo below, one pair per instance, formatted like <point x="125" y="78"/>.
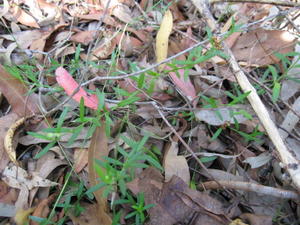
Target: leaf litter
<point x="80" y="53"/>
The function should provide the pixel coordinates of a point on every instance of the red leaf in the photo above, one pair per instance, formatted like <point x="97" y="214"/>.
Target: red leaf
<point x="66" y="81"/>
<point x="185" y="86"/>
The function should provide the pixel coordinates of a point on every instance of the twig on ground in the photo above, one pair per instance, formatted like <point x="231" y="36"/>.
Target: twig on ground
<point x="272" y="2"/>
<point x="247" y="186"/>
<point x="287" y="157"/>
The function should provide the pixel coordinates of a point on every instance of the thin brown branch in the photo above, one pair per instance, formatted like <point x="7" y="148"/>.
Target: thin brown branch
<point x="247" y="186"/>
<point x="272" y="2"/>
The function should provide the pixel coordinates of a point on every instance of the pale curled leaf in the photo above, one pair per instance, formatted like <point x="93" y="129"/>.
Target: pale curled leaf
<point x="8" y="140"/>
<point x="162" y="38"/>
<point x="97" y="150"/>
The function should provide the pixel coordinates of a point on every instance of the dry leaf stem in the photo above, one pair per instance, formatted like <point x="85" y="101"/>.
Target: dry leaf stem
<point x="272" y="2"/>
<point x="287" y="157"/>
<point x="247" y="186"/>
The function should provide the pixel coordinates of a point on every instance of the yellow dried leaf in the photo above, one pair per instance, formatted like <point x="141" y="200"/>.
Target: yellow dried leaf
<point x="8" y="140"/>
<point x="162" y="38"/>
<point x="21" y="216"/>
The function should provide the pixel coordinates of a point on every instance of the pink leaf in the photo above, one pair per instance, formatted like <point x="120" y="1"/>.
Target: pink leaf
<point x="184" y="85"/>
<point x="66" y="81"/>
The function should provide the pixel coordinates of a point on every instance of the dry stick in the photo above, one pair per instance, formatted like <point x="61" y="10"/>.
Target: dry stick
<point x="287" y="157"/>
<point x="246" y="186"/>
<point x="273" y="2"/>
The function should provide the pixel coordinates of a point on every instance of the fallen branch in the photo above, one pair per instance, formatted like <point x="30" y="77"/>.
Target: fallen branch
<point x="247" y="186"/>
<point x="287" y="157"/>
<point x="272" y="2"/>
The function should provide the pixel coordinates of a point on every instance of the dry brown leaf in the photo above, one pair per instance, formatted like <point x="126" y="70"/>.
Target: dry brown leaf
<point x="24" y="18"/>
<point x="175" y="164"/>
<point x="123" y="13"/>
<point x="16" y="94"/>
<point x="87" y="217"/>
<point x="257" y="47"/>
<point x="174" y="201"/>
<point x="24" y="38"/>
<point x="162" y="38"/>
<point x="83" y="37"/>
<point x="80" y="159"/>
<point x="254" y="219"/>
<point x="97" y="150"/>
<point x="42" y="209"/>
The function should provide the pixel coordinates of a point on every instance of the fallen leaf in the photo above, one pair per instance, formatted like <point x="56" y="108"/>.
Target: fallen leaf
<point x="5" y="8"/>
<point x="175" y="164"/>
<point x="222" y="115"/>
<point x="42" y="209"/>
<point x="88" y="217"/>
<point x="162" y="38"/>
<point x="123" y="13"/>
<point x="257" y="47"/>
<point x="21" y="216"/>
<point x="97" y="150"/>
<point x="24" y="18"/>
<point x="83" y="37"/>
<point x="80" y="159"/>
<point x="255" y="219"/>
<point x="9" y="140"/>
<point x="66" y="81"/>
<point x="7" y="210"/>
<point x="258" y="161"/>
<point x="289" y="86"/>
<point x="17" y="177"/>
<point x="184" y="84"/>
<point x="16" y="94"/>
<point x="174" y="201"/>
<point x="5" y="123"/>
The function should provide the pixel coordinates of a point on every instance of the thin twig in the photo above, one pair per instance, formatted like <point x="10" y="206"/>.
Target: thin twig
<point x="272" y="2"/>
<point x="247" y="186"/>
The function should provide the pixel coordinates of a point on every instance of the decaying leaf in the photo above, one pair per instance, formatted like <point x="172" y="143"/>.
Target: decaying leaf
<point x="97" y="150"/>
<point x="16" y="94"/>
<point x="174" y="201"/>
<point x="257" y="47"/>
<point x="175" y="164"/>
<point x="162" y="38"/>
<point x="80" y="159"/>
<point x="259" y="160"/>
<point x="222" y="115"/>
<point x="18" y="178"/>
<point x="24" y="18"/>
<point x="184" y="85"/>
<point x="88" y="217"/>
<point x="42" y="209"/>
<point x="65" y="80"/>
